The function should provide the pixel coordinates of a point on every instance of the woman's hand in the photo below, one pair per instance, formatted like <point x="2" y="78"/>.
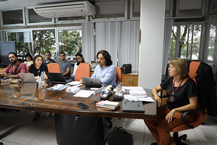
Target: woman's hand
<point x="81" y="81"/>
<point x="158" y="99"/>
<point x="170" y="115"/>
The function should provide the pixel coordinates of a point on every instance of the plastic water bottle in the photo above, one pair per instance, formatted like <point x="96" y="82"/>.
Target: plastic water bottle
<point x="43" y="89"/>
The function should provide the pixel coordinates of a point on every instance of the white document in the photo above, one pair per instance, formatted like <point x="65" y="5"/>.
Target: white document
<point x="84" y="93"/>
<point x="57" y="87"/>
<point x="73" y="89"/>
<point x="74" y="83"/>
<point x="138" y="98"/>
<point x="135" y="91"/>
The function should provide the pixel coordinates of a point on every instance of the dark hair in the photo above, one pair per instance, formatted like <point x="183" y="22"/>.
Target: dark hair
<point x="36" y="58"/>
<point x="63" y="53"/>
<point x="14" y="53"/>
<point x="48" y="52"/>
<point x="28" y="54"/>
<point x="79" y="54"/>
<point x="107" y="57"/>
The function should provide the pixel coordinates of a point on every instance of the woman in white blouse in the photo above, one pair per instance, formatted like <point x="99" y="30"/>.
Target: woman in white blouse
<point x="28" y="59"/>
<point x="80" y="59"/>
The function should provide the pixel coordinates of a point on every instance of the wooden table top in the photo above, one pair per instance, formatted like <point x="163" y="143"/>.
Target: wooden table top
<point x="28" y="97"/>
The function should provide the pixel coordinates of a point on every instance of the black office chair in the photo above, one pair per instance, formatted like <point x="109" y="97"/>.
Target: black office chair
<point x="1" y="143"/>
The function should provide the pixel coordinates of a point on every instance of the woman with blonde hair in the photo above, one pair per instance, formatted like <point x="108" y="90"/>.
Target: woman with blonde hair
<point x="182" y="96"/>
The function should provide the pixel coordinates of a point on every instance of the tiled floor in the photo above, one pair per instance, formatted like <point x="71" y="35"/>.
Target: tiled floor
<point x="17" y="128"/>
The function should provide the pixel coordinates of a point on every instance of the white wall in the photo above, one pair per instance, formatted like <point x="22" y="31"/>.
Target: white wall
<point x="151" y="48"/>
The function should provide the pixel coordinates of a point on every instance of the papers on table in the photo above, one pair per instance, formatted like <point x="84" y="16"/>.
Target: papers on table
<point x="73" y="89"/>
<point x="135" y="91"/>
<point x="136" y="94"/>
<point x="84" y="93"/>
<point x="74" y="83"/>
<point x="138" y="98"/>
<point x="57" y="87"/>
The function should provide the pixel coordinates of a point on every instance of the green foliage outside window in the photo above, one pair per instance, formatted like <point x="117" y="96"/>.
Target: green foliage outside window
<point x="70" y="41"/>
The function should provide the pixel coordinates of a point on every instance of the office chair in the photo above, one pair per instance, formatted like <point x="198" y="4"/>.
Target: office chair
<point x="53" y="68"/>
<point x="1" y="143"/>
<point x="118" y="74"/>
<point x="83" y="70"/>
<point x="27" y="68"/>
<point x="199" y="113"/>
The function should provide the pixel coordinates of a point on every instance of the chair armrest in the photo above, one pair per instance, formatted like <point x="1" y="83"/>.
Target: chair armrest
<point x="163" y="96"/>
<point x="187" y="112"/>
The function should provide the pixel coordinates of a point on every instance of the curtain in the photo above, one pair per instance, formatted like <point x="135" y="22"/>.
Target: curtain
<point x="129" y="45"/>
<point x="167" y="36"/>
<point x="108" y="38"/>
<point x="88" y="42"/>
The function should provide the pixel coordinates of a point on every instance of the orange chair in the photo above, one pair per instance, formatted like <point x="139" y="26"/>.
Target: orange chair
<point x="118" y="74"/>
<point x="199" y="113"/>
<point x="83" y="70"/>
<point x="53" y="68"/>
<point x="27" y="68"/>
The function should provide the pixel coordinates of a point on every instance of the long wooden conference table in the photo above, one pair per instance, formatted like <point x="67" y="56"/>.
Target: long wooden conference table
<point x="73" y="124"/>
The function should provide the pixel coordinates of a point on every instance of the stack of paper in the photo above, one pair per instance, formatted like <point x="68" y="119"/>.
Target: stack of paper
<point x="75" y="83"/>
<point x="84" y="93"/>
<point x="137" y="91"/>
<point x="107" y="105"/>
<point x="57" y="87"/>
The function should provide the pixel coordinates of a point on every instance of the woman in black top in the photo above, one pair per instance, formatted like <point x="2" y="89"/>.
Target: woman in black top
<point x="182" y="94"/>
<point x="38" y="66"/>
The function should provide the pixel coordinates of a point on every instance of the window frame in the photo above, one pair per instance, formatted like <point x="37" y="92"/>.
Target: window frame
<point x="39" y="23"/>
<point x="19" y="24"/>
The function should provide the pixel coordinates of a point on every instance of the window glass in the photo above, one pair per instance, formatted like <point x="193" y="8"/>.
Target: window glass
<point x="12" y="17"/>
<point x="173" y="42"/>
<point x="212" y="37"/>
<point x="185" y="41"/>
<point x="44" y="40"/>
<point x="136" y="8"/>
<point x="70" y="42"/>
<point x="110" y="9"/>
<point x="196" y="42"/>
<point x="190" y="8"/>
<point x="189" y="41"/>
<point x="22" y="41"/>
<point x="35" y="18"/>
<point x="167" y="9"/>
<point x="213" y="5"/>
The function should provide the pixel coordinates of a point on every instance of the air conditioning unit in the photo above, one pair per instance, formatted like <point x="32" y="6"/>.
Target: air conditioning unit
<point x="67" y="9"/>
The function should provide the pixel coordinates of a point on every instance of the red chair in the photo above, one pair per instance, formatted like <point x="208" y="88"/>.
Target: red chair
<point x="118" y="74"/>
<point x="83" y="70"/>
<point x="27" y="68"/>
<point x="53" y="68"/>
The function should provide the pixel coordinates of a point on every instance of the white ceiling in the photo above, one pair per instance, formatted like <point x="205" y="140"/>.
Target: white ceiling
<point x="13" y="4"/>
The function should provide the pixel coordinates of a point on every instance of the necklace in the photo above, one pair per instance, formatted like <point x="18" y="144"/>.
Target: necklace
<point x="177" y="87"/>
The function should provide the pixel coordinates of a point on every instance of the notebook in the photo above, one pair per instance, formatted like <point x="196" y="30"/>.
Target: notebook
<point x="91" y="82"/>
<point x="132" y="106"/>
<point x="27" y="77"/>
<point x="56" y="78"/>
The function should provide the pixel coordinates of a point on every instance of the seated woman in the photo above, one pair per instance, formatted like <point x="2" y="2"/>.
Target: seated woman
<point x="80" y="59"/>
<point x="28" y="59"/>
<point x="182" y="94"/>
<point x="38" y="66"/>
